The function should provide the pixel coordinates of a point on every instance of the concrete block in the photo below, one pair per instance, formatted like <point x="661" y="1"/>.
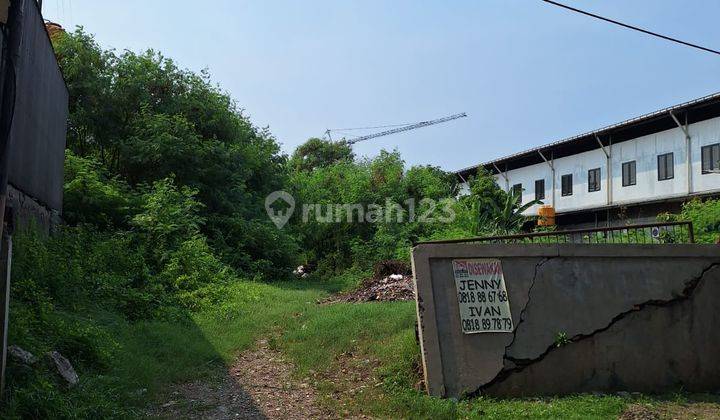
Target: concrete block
<point x="613" y="305"/>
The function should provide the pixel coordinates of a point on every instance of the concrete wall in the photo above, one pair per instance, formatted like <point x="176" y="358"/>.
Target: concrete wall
<point x="644" y="150"/>
<point x="27" y="212"/>
<point x="37" y="135"/>
<point x="636" y="317"/>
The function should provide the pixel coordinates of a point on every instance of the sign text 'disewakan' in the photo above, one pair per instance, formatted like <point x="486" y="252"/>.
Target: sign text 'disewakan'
<point x="482" y="296"/>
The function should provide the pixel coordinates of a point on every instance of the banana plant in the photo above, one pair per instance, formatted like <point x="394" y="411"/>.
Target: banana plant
<point x="509" y="218"/>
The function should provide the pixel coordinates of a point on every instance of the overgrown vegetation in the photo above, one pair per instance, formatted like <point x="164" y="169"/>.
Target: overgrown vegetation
<point x="164" y="187"/>
<point x="390" y="207"/>
<point x="137" y="119"/>
<point x="168" y="265"/>
<point x="705" y="217"/>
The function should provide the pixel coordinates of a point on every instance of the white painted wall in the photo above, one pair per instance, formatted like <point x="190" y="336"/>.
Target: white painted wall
<point x="644" y="150"/>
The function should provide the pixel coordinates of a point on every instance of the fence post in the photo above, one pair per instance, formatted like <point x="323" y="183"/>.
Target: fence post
<point x="5" y="268"/>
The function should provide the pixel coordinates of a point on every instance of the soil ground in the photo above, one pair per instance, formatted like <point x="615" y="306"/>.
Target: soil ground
<point x="259" y="385"/>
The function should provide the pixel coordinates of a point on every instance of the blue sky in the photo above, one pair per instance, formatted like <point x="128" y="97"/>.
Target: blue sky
<point x="525" y="72"/>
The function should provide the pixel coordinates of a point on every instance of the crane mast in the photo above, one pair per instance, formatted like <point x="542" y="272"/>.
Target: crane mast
<point x="407" y="127"/>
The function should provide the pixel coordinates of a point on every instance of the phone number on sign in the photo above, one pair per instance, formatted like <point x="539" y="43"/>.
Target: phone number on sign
<point x="481" y="297"/>
<point x="487" y="324"/>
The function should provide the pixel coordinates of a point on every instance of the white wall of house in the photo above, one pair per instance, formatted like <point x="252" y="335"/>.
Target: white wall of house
<point x="644" y="151"/>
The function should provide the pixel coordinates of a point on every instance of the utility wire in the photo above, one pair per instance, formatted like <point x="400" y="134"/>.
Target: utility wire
<point x="634" y="28"/>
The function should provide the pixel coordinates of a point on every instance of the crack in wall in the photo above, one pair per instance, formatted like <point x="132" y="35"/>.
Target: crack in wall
<point x="521" y="318"/>
<point x="519" y="365"/>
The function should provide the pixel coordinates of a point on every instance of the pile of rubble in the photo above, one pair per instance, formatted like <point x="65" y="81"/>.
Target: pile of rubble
<point x="392" y="280"/>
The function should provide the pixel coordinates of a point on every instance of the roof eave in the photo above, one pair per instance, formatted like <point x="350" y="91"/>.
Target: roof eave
<point x="599" y="132"/>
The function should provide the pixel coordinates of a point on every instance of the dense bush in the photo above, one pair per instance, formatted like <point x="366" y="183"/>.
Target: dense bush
<point x="390" y="206"/>
<point x="705" y="217"/>
<point x="168" y="217"/>
<point x="137" y="119"/>
<point x="148" y="139"/>
<point x="165" y="182"/>
<point x="92" y="196"/>
<point x="194" y="275"/>
<point x="98" y="298"/>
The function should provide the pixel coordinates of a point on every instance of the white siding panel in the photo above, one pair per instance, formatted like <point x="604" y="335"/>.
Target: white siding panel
<point x="704" y="133"/>
<point x="579" y="165"/>
<point x="644" y="150"/>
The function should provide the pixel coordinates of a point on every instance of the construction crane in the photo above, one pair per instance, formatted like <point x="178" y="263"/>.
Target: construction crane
<point x="399" y="128"/>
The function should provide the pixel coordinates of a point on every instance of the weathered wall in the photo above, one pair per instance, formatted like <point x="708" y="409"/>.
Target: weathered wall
<point x="37" y="135"/>
<point x="638" y="318"/>
<point x="27" y="212"/>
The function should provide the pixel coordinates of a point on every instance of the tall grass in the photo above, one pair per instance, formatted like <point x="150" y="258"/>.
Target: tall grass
<point x="126" y="362"/>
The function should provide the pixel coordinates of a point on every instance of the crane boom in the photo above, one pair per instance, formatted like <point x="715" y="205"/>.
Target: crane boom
<point x="404" y="128"/>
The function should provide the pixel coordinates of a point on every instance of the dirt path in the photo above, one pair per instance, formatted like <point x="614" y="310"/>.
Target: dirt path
<point x="259" y="385"/>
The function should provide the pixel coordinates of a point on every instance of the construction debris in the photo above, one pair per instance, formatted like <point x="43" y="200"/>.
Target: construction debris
<point x="390" y="288"/>
<point x="20" y="355"/>
<point x="63" y="367"/>
<point x="392" y="280"/>
<point x="304" y="270"/>
<point x="300" y="272"/>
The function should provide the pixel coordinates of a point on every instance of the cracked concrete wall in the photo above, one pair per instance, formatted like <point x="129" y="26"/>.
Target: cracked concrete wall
<point x="636" y="318"/>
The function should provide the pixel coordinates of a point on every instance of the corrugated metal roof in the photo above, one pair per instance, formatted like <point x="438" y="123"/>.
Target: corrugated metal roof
<point x="599" y="131"/>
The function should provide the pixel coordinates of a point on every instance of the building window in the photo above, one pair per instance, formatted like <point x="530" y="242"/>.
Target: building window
<point x="566" y="184"/>
<point x="517" y="192"/>
<point x="540" y="189"/>
<point x="666" y="167"/>
<point x="710" y="158"/>
<point x="594" y="180"/>
<point x="628" y="173"/>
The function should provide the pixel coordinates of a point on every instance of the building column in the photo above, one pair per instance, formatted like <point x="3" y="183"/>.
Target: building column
<point x="552" y="172"/>
<point x="688" y="149"/>
<point x="608" y="169"/>
<point x="504" y="175"/>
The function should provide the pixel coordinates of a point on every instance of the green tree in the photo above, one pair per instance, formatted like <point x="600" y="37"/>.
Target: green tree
<point x="88" y="72"/>
<point x="477" y="210"/>
<point x="376" y="208"/>
<point x="485" y="190"/>
<point x="144" y="119"/>
<point x="319" y="153"/>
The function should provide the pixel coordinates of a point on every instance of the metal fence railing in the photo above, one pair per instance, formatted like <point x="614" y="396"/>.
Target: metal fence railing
<point x="650" y="233"/>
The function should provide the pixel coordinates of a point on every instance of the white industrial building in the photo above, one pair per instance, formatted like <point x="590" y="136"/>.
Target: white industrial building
<point x="630" y="171"/>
